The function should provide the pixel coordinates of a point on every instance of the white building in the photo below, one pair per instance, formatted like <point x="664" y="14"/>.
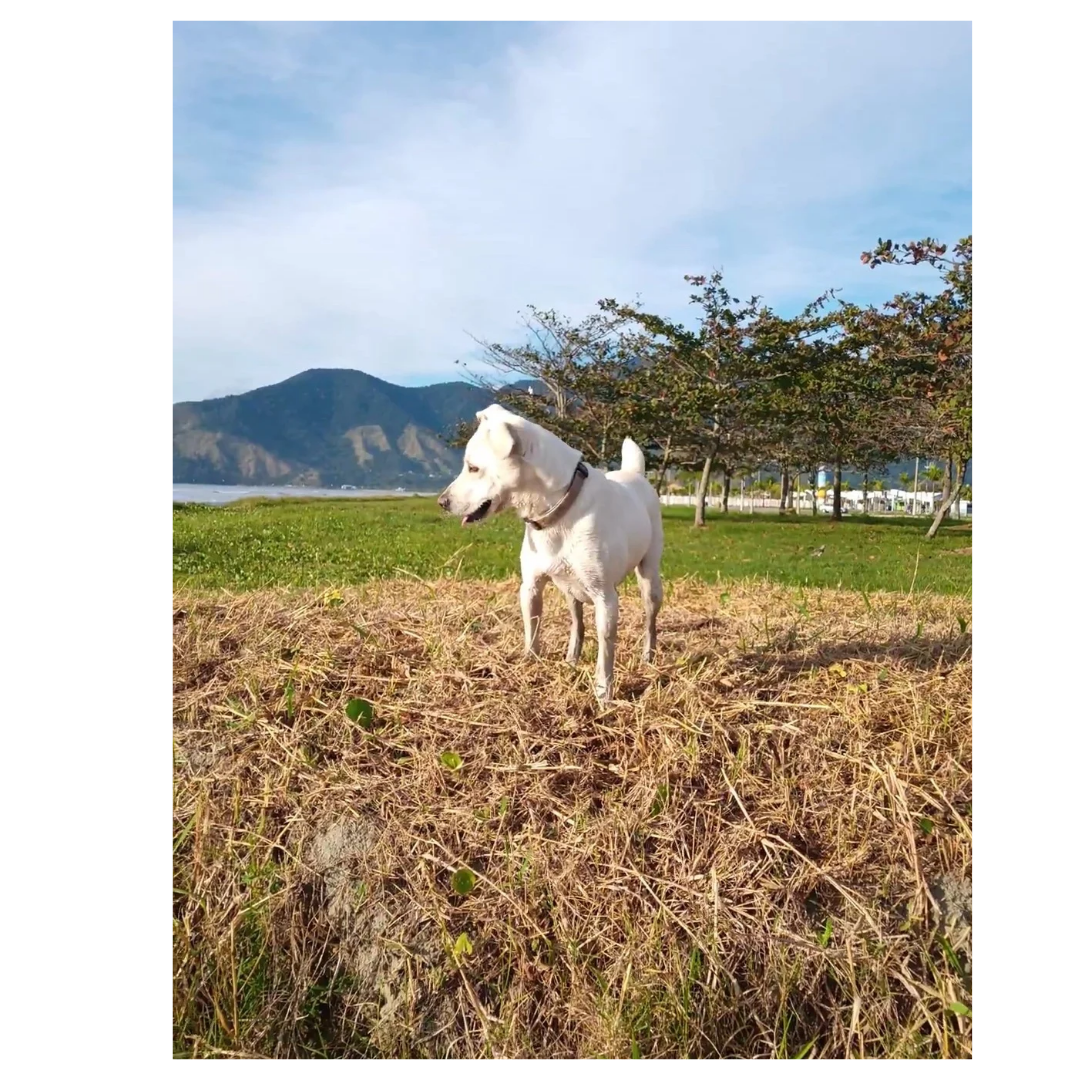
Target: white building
<point x="895" y="500"/>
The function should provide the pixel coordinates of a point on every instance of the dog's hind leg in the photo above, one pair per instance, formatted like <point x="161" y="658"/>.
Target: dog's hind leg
<point x="532" y="608"/>
<point x="652" y="593"/>
<point x="577" y="629"/>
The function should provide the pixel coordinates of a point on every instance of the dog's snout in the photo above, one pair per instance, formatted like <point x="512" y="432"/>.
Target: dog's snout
<point x="444" y="501"/>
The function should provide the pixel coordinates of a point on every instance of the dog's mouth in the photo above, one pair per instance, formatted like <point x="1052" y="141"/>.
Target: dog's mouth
<point x="478" y="514"/>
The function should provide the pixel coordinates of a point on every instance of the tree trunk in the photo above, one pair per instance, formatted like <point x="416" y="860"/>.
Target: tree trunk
<point x="865" y="485"/>
<point x="836" y="514"/>
<point x="950" y="494"/>
<point x="663" y="466"/>
<point x="703" y="487"/>
<point x="798" y="493"/>
<point x="727" y="490"/>
<point x="785" y="489"/>
<point x="813" y="484"/>
<point x="949" y="481"/>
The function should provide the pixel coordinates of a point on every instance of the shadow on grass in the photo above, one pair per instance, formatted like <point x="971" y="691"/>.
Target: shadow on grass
<point x="916" y="653"/>
<point x="774" y="667"/>
<point x="788" y="652"/>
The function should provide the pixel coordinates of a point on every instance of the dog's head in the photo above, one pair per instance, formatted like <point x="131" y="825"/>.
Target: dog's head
<point x="492" y="471"/>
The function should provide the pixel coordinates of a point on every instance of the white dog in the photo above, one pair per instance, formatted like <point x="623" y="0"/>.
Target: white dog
<point x="584" y="530"/>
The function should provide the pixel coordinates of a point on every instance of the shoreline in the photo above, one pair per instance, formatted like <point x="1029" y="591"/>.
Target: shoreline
<point x="224" y="494"/>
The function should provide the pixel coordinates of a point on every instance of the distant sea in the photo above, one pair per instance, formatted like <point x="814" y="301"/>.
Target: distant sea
<point x="219" y="494"/>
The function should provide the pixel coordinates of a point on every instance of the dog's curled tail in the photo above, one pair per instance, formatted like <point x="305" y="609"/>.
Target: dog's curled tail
<point x="633" y="460"/>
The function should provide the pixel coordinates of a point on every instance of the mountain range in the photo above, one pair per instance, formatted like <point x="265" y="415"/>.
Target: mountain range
<point x="332" y="426"/>
<point x="324" y="428"/>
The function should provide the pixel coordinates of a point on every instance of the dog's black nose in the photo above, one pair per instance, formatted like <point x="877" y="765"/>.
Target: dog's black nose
<point x="444" y="500"/>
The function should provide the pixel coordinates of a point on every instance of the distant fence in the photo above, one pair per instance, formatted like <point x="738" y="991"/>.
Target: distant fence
<point x="852" y="502"/>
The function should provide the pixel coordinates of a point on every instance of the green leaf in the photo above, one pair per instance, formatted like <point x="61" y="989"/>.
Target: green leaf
<point x="950" y="955"/>
<point x="826" y="935"/>
<point x="660" y="800"/>
<point x="696" y="964"/>
<point x="451" y="760"/>
<point x="962" y="623"/>
<point x="960" y="1008"/>
<point x="926" y="825"/>
<point x="361" y="712"/>
<point x="462" y="947"/>
<point x="463" y="882"/>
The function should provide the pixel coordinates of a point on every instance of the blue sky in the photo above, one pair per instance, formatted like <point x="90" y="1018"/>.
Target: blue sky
<point x="368" y="195"/>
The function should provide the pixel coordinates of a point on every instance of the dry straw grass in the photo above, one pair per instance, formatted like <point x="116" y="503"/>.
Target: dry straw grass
<point x="761" y="850"/>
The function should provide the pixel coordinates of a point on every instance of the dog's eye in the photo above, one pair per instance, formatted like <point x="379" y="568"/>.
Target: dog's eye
<point x="472" y="468"/>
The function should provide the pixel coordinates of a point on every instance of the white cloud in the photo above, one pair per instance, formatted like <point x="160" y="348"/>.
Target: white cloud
<point x="600" y="160"/>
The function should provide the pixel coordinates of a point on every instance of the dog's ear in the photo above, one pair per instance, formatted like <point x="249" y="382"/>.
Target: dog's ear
<point x="504" y="439"/>
<point x="494" y="412"/>
<point x="506" y="434"/>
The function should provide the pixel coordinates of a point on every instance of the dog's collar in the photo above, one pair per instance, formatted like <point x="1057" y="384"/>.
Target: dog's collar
<point x="550" y="516"/>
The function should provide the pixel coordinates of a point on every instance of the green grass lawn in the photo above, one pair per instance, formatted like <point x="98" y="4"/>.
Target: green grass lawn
<point x="330" y="542"/>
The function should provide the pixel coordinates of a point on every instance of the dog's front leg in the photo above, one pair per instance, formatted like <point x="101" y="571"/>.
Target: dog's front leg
<point x="607" y="625"/>
<point x="577" y="629"/>
<point x="532" y="608"/>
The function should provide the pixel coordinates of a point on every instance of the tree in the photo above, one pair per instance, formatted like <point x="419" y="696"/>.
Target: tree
<point x="838" y="385"/>
<point x="928" y="339"/>
<point x="584" y="381"/>
<point x="704" y="381"/>
<point x="735" y="382"/>
<point x="785" y="489"/>
<point x="853" y="387"/>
